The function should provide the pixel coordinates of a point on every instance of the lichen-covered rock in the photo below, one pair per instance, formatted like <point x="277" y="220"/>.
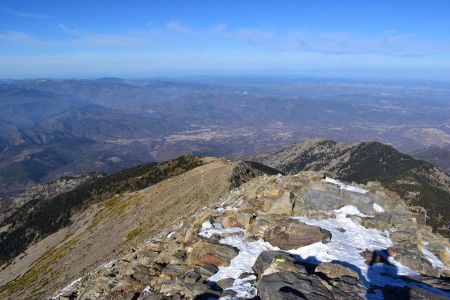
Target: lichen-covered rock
<point x="335" y="271"/>
<point x="291" y="234"/>
<point x="268" y="258"/>
<point x="215" y="254"/>
<point x="292" y="285"/>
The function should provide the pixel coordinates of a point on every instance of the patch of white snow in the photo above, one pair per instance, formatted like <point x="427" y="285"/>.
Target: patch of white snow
<point x="244" y="261"/>
<point x="346" y="187"/>
<point x="67" y="288"/>
<point x="346" y="247"/>
<point x="436" y="262"/>
<point x="146" y="290"/>
<point x="108" y="264"/>
<point x="208" y="230"/>
<point x="349" y="210"/>
<point x="378" y="208"/>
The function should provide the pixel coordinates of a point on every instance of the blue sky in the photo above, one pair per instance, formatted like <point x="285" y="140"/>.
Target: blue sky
<point x="136" y="39"/>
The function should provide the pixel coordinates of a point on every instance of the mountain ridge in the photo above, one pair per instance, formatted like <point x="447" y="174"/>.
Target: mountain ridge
<point x="423" y="186"/>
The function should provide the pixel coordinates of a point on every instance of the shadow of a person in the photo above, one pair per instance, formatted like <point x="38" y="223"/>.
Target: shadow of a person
<point x="382" y="277"/>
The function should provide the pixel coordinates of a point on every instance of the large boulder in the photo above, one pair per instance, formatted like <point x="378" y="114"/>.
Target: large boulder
<point x="321" y="197"/>
<point x="291" y="234"/>
<point x="267" y="259"/>
<point x="215" y="254"/>
<point x="363" y="202"/>
<point x="282" y="276"/>
<point x="335" y="271"/>
<point x="291" y="285"/>
<point x="281" y="205"/>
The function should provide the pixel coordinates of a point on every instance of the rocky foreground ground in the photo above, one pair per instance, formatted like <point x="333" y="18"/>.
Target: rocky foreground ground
<point x="302" y="236"/>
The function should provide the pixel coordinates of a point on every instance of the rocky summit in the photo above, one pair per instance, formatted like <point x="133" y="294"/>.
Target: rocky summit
<point x="302" y="236"/>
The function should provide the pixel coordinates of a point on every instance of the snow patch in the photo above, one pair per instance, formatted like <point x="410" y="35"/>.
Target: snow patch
<point x="378" y="208"/>
<point x="346" y="247"/>
<point x="244" y="261"/>
<point x="67" y="288"/>
<point x="349" y="210"/>
<point x="208" y="230"/>
<point x="220" y="209"/>
<point x="108" y="264"/>
<point x="435" y="262"/>
<point x="346" y="187"/>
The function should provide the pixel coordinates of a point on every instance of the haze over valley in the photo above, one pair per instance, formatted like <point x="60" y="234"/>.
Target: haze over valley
<point x="54" y="128"/>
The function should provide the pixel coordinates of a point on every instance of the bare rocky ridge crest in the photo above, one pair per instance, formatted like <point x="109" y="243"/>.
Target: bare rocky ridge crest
<point x="189" y="260"/>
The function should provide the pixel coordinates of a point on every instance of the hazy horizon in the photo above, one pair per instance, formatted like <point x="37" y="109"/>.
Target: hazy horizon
<point x="349" y="39"/>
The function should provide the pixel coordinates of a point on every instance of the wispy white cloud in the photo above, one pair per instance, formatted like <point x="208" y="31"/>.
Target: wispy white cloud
<point x="110" y="40"/>
<point x="19" y="38"/>
<point x="177" y="46"/>
<point x="19" y="14"/>
<point x="219" y="28"/>
<point x="256" y="36"/>
<point x="390" y="43"/>
<point x="94" y="40"/>
<point x="68" y="30"/>
<point x="179" y="27"/>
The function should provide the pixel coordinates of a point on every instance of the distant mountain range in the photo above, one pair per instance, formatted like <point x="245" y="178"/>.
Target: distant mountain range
<point x="51" y="128"/>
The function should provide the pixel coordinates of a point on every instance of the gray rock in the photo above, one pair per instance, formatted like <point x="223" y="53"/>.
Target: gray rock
<point x="175" y="270"/>
<point x="178" y="287"/>
<point x="266" y="258"/>
<point x="335" y="271"/>
<point x="438" y="283"/>
<point x="243" y="218"/>
<point x="208" y="270"/>
<point x="225" y="283"/>
<point x="291" y="285"/>
<point x="191" y="277"/>
<point x="291" y="234"/>
<point x="362" y="201"/>
<point x="417" y="293"/>
<point x="211" y="253"/>
<point x="323" y="197"/>
<point x="283" y="204"/>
